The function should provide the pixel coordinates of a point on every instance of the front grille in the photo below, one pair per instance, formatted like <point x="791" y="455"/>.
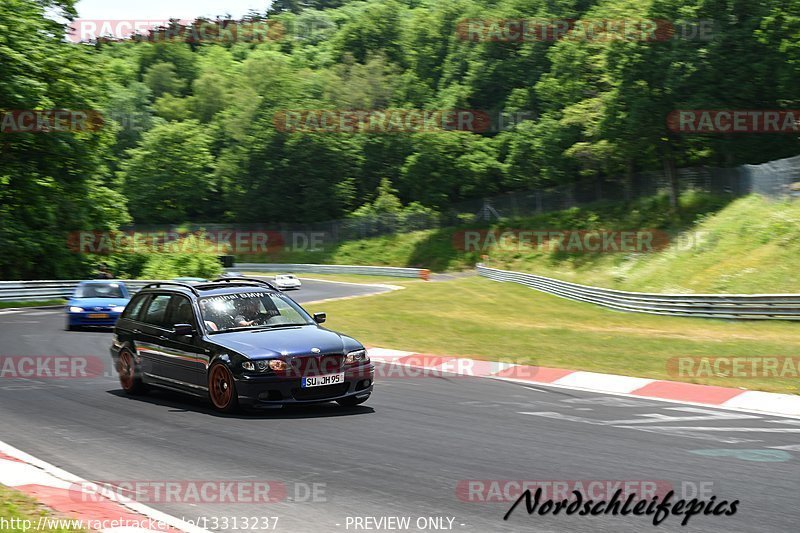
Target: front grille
<point x="318" y="393"/>
<point x="317" y="365"/>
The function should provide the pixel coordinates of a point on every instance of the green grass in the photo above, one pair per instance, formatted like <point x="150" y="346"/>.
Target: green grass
<point x="8" y="305"/>
<point x="16" y="505"/>
<point x="475" y="317"/>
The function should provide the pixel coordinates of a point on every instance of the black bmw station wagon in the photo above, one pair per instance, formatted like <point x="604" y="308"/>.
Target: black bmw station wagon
<point x="236" y="342"/>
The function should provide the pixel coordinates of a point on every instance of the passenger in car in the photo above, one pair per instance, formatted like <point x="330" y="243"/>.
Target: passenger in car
<point x="209" y="317"/>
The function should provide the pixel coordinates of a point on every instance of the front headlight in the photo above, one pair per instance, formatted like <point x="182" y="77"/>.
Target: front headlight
<point x="264" y="366"/>
<point x="76" y="309"/>
<point x="277" y="365"/>
<point x="358" y="356"/>
<point x="118" y="308"/>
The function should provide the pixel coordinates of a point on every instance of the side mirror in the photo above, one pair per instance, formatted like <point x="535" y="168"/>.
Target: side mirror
<point x="319" y="318"/>
<point x="185" y="330"/>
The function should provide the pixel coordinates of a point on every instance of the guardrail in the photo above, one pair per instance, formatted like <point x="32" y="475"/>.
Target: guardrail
<point x="396" y="272"/>
<point x="728" y="306"/>
<point x="26" y="291"/>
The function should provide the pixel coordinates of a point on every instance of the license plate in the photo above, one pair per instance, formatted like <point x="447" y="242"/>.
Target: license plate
<point x="98" y="315"/>
<point x="321" y="381"/>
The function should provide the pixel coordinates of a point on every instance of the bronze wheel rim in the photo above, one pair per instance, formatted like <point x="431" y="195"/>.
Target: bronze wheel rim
<point x="221" y="387"/>
<point x="126" y="370"/>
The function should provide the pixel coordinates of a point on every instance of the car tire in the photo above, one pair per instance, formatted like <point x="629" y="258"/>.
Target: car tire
<point x="129" y="379"/>
<point x="70" y="327"/>
<point x="222" y="389"/>
<point x="352" y="401"/>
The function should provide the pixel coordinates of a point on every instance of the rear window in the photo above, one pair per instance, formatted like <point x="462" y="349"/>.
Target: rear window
<point x="156" y="313"/>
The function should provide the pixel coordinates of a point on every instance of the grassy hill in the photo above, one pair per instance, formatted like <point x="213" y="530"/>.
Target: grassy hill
<point x="749" y="245"/>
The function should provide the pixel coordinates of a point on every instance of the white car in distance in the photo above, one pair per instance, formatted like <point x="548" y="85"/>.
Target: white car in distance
<point x="286" y="282"/>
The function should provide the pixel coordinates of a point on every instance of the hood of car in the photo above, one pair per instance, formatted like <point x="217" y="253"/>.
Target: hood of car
<point x="97" y="302"/>
<point x="292" y="341"/>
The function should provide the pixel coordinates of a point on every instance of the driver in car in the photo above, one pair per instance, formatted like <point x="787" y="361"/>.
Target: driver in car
<point x="249" y="313"/>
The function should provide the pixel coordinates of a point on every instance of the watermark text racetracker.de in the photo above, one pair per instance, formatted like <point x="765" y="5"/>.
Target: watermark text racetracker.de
<point x="597" y="30"/>
<point x="729" y="121"/>
<point x="52" y="366"/>
<point x="762" y="366"/>
<point x="392" y="121"/>
<point x="176" y="30"/>
<point x="574" y="241"/>
<point x="223" y="241"/>
<point x="198" y="491"/>
<point x="15" y="121"/>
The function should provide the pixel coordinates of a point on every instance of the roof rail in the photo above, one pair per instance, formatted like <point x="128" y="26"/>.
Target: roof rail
<point x="243" y="281"/>
<point x="176" y="283"/>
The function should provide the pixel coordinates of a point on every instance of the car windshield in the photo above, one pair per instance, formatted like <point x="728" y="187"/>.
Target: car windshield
<point x="251" y="310"/>
<point x="100" y="290"/>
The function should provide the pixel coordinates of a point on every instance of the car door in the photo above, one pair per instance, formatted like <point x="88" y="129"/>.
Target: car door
<point x="186" y="354"/>
<point x="151" y="335"/>
<point x="128" y="326"/>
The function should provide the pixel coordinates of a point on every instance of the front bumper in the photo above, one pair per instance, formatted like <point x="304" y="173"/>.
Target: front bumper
<point x="275" y="391"/>
<point x="86" y="319"/>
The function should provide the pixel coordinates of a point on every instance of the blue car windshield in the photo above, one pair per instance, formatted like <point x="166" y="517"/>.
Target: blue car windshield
<point x="100" y="290"/>
<point x="252" y="310"/>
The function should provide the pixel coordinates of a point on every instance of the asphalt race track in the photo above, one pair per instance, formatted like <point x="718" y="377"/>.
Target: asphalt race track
<point x="410" y="451"/>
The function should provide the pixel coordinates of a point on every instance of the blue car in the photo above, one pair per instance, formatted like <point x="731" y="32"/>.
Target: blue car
<point x="96" y="303"/>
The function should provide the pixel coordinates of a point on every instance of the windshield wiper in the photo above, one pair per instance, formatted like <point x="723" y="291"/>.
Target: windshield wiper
<point x="239" y="328"/>
<point x="255" y="329"/>
<point x="273" y="326"/>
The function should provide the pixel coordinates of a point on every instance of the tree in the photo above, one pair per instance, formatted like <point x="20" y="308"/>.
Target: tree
<point x="161" y="79"/>
<point x="377" y="29"/>
<point x="168" y="177"/>
<point x="50" y="183"/>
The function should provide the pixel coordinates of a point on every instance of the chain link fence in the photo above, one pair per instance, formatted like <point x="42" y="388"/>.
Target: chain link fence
<point x="775" y="179"/>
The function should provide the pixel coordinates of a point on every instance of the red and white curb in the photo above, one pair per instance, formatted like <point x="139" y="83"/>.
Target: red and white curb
<point x="674" y="391"/>
<point x="73" y="498"/>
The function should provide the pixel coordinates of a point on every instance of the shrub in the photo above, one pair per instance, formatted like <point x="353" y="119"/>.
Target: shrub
<point x="190" y="256"/>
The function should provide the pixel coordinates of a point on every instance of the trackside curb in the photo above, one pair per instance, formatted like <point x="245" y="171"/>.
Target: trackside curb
<point x="672" y="391"/>
<point x="57" y="489"/>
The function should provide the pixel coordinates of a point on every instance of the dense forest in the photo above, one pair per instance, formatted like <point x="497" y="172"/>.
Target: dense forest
<point x="195" y="130"/>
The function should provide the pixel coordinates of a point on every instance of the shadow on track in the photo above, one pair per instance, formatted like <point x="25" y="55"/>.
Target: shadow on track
<point x="181" y="403"/>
